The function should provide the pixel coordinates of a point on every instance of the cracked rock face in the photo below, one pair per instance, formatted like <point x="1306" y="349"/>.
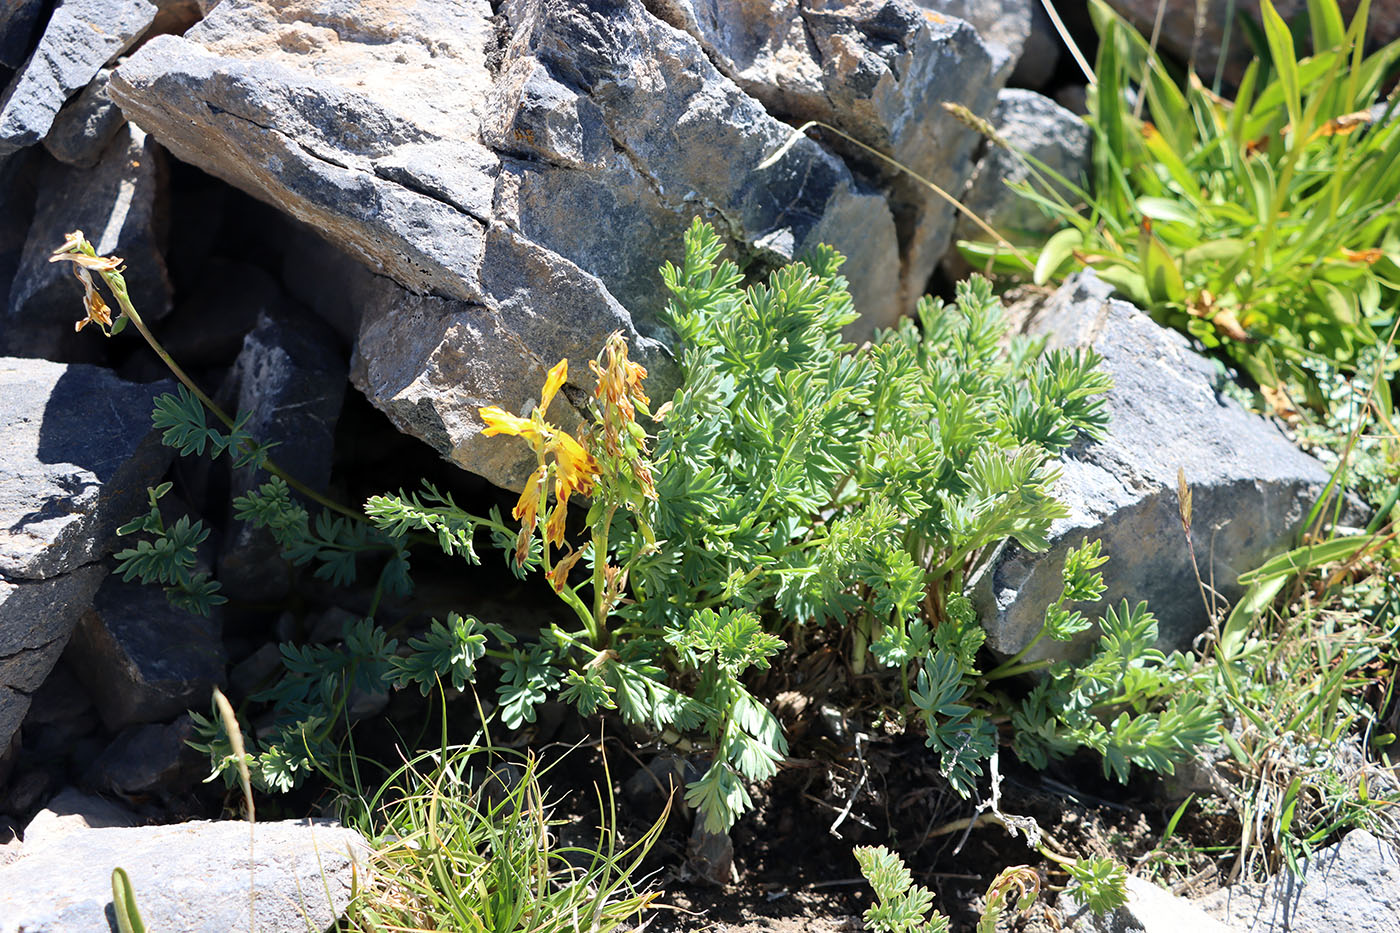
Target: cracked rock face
<point x="78" y="454"/>
<point x="1251" y="488"/>
<point x="517" y="179"/>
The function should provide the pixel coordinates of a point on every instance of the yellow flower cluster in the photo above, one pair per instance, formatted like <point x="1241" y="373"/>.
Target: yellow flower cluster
<point x="573" y="467"/>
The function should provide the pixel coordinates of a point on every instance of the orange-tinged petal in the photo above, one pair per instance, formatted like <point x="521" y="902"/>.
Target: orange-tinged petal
<point x="525" y="509"/>
<point x="500" y="421"/>
<point x="559" y="576"/>
<point x="554" y="528"/>
<point x="552" y="382"/>
<point x="576" y="466"/>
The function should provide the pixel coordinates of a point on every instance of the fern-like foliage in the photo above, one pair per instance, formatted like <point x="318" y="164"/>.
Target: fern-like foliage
<point x="901" y="906"/>
<point x="169" y="557"/>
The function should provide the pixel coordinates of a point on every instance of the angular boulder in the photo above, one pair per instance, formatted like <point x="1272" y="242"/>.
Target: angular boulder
<point x="79" y="452"/>
<point x="186" y="876"/>
<point x="879" y="71"/>
<point x="142" y="659"/>
<point x="1251" y="487"/>
<point x="81" y="37"/>
<point x="85" y="125"/>
<point x="1353" y="886"/>
<point x="520" y="177"/>
<point x="1032" y="125"/>
<point x="290" y="377"/>
<point x="118" y="204"/>
<point x="1005" y="25"/>
<point x="1149" y="909"/>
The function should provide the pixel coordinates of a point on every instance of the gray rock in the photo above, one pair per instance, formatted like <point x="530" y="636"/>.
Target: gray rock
<point x="1353" y="886"/>
<point x="1149" y="909"/>
<point x="117" y="204"/>
<point x="36" y="621"/>
<point x="71" y="811"/>
<point x="85" y="125"/>
<point x="880" y="72"/>
<point x="154" y="758"/>
<point x="10" y="844"/>
<point x="206" y="330"/>
<point x="378" y="145"/>
<point x="1034" y="126"/>
<point x="1035" y="69"/>
<point x="142" y="659"/>
<point x="79" y="452"/>
<point x="81" y="37"/>
<point x="1251" y="487"/>
<point x="1005" y="26"/>
<point x="710" y="855"/>
<point x="18" y="182"/>
<point x="188" y="876"/>
<point x="291" y="378"/>
<point x="19" y="23"/>
<point x="60" y="718"/>
<point x="258" y="671"/>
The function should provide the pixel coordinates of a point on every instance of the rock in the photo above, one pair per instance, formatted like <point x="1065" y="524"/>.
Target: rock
<point x="207" y="328"/>
<point x="1074" y="98"/>
<point x="291" y="377"/>
<point x="85" y="125"/>
<point x="711" y="855"/>
<point x="72" y="811"/>
<point x="36" y="620"/>
<point x="78" y="455"/>
<point x="662" y="779"/>
<point x="1040" y="57"/>
<point x="25" y="792"/>
<point x="258" y="671"/>
<point x="879" y="71"/>
<point x="1033" y="126"/>
<point x="10" y="844"/>
<point x="154" y="758"/>
<point x="19" y="24"/>
<point x="1353" y="886"/>
<point x="1149" y="909"/>
<point x="81" y="37"/>
<point x="142" y="659"/>
<point x="596" y="111"/>
<point x="18" y="181"/>
<point x="60" y="714"/>
<point x="1183" y="38"/>
<point x="1251" y="487"/>
<point x="1004" y="25"/>
<point x="117" y="204"/>
<point x="187" y="876"/>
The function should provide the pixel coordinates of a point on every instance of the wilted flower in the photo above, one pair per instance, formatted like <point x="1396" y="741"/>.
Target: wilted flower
<point x="80" y="252"/>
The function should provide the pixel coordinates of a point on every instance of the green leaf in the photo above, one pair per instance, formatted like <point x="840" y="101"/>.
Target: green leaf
<point x="1057" y="249"/>
<point x="1285" y="62"/>
<point x="124" y="903"/>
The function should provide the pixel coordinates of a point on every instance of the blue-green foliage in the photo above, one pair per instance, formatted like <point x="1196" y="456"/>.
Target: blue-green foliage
<point x="801" y="481"/>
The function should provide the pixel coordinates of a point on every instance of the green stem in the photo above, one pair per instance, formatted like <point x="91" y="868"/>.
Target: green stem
<point x="600" y="576"/>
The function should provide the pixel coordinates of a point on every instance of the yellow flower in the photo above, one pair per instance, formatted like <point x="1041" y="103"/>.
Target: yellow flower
<point x="552" y="382"/>
<point x="524" y="511"/>
<point x="576" y="468"/>
<point x="500" y="421"/>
